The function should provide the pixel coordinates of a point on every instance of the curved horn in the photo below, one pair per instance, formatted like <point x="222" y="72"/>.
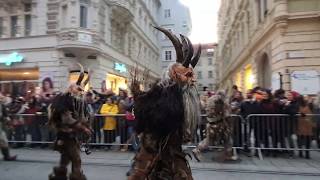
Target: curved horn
<point x="187" y="50"/>
<point x="175" y="41"/>
<point x="87" y="80"/>
<point x="81" y="76"/>
<point x="196" y="58"/>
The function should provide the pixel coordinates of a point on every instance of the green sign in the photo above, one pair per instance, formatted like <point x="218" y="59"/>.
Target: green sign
<point x="10" y="58"/>
<point x="120" y="67"/>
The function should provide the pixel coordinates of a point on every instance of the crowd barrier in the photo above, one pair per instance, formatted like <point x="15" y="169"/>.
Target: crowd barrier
<point x="255" y="133"/>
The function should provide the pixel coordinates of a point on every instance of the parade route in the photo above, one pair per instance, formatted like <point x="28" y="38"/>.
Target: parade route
<point x="36" y="164"/>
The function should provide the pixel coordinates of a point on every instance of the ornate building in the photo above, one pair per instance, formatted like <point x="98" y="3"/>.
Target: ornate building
<point x="107" y="36"/>
<point x="270" y="43"/>
<point x="206" y="69"/>
<point x="174" y="16"/>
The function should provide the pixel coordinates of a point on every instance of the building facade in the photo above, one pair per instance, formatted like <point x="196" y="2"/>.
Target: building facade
<point x="174" y="16"/>
<point x="206" y="69"/>
<point x="47" y="38"/>
<point x="270" y="43"/>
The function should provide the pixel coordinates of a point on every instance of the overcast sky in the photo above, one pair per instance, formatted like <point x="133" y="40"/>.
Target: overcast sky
<point x="204" y="15"/>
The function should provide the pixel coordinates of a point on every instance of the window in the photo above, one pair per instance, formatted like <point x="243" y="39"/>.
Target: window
<point x="27" y="7"/>
<point x="210" y="75"/>
<point x="14" y="26"/>
<point x="27" y="25"/>
<point x="167" y="13"/>
<point x="209" y="61"/>
<point x="168" y="55"/>
<point x="211" y="87"/>
<point x="265" y="8"/>
<point x="199" y="75"/>
<point x="1" y="27"/>
<point x="83" y="16"/>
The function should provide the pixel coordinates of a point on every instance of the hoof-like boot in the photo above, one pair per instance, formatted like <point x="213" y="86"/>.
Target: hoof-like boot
<point x="59" y="173"/>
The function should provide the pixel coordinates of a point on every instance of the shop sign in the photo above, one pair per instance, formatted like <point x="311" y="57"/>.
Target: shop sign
<point x="120" y="67"/>
<point x="295" y="54"/>
<point x="305" y="82"/>
<point x="10" y="58"/>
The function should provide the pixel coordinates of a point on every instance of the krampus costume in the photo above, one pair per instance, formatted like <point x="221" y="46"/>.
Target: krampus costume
<point x="219" y="127"/>
<point x="68" y="114"/>
<point x="167" y="115"/>
<point x="4" y="146"/>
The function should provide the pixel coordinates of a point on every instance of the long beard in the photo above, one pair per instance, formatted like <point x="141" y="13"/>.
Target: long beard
<point x="192" y="112"/>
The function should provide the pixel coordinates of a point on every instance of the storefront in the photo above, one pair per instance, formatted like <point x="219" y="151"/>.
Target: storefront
<point x="248" y="78"/>
<point x="245" y="79"/>
<point x="19" y="82"/>
<point x="115" y="82"/>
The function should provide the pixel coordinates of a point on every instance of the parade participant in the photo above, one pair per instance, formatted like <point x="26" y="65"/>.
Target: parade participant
<point x="3" y="138"/>
<point x="68" y="114"/>
<point x="219" y="128"/>
<point x="167" y="115"/>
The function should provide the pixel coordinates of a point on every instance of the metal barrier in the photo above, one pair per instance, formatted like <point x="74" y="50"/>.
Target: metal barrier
<point x="292" y="134"/>
<point x="257" y="132"/>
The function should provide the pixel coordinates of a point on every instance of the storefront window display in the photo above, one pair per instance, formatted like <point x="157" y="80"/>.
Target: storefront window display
<point x="249" y="78"/>
<point x="19" y="82"/>
<point x="115" y="83"/>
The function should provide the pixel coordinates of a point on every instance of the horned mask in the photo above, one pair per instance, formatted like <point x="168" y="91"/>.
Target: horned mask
<point x="186" y="60"/>
<point x="79" y="86"/>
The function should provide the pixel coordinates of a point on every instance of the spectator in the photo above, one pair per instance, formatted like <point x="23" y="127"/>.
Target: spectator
<point x="32" y="122"/>
<point x="249" y="105"/>
<point x="47" y="90"/>
<point x="305" y="126"/>
<point x="19" y="106"/>
<point x="279" y="100"/>
<point x="123" y="105"/>
<point x="291" y="107"/>
<point x="316" y="110"/>
<point x="110" y="123"/>
<point x="235" y="102"/>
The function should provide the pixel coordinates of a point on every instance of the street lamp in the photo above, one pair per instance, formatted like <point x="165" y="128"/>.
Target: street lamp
<point x="281" y="81"/>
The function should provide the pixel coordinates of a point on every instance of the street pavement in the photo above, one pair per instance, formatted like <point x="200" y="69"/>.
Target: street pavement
<point x="36" y="164"/>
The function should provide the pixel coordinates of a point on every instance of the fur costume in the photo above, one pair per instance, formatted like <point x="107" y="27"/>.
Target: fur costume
<point x="167" y="115"/>
<point x="219" y="127"/>
<point x="68" y="115"/>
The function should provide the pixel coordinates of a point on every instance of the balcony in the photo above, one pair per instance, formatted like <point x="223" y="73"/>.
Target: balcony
<point x="79" y="41"/>
<point x="122" y="11"/>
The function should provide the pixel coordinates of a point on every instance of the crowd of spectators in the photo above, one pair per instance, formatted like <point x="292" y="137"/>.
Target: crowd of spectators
<point x="108" y="128"/>
<point x="296" y="129"/>
<point x="29" y="122"/>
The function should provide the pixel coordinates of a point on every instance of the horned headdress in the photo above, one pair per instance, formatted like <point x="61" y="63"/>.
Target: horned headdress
<point x="81" y="77"/>
<point x="184" y="48"/>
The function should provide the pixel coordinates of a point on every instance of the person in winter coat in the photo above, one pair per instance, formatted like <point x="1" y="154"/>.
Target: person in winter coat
<point x="110" y="123"/>
<point x="305" y="126"/>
